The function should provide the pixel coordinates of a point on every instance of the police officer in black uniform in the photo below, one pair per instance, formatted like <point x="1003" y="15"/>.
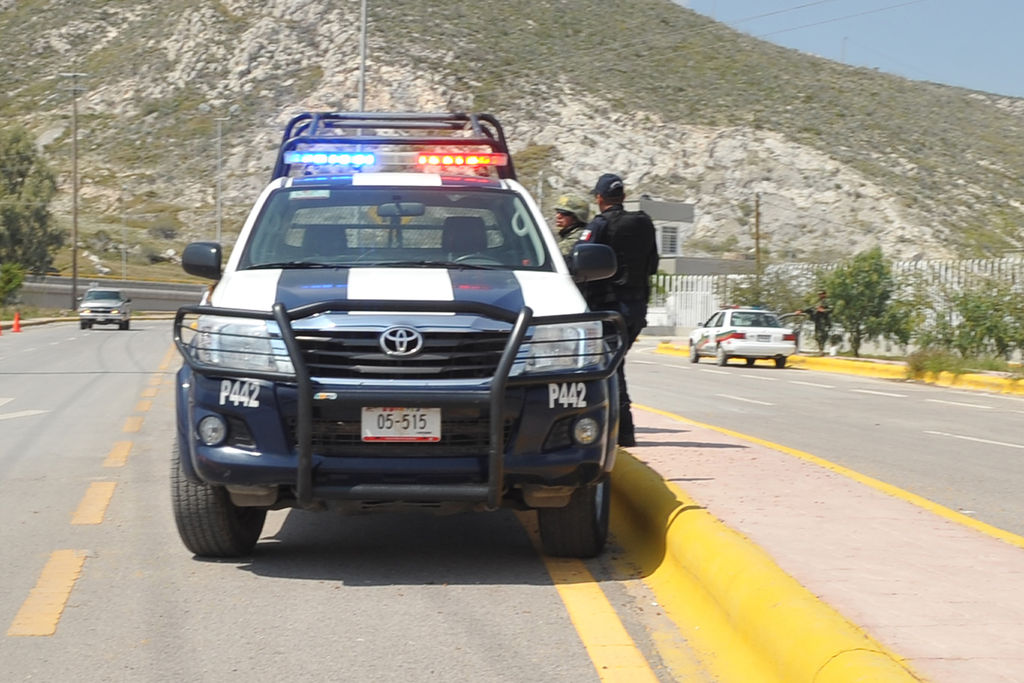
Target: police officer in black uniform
<point x="631" y="235"/>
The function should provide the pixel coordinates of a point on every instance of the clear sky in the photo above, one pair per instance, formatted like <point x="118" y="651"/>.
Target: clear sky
<point x="977" y="44"/>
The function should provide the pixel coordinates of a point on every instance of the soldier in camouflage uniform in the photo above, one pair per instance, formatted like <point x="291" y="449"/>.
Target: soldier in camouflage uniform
<point x="571" y="214"/>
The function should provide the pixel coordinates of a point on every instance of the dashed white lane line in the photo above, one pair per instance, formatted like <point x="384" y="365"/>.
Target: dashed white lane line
<point x="812" y="384"/>
<point x="764" y="378"/>
<point x="974" y="438"/>
<point x="745" y="400"/>
<point x="878" y="393"/>
<point x="958" y="403"/>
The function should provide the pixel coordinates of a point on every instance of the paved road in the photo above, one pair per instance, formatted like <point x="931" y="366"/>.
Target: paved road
<point x="97" y="585"/>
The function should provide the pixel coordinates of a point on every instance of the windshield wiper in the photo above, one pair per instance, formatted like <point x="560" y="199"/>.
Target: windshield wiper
<point x="437" y="264"/>
<point x="293" y="264"/>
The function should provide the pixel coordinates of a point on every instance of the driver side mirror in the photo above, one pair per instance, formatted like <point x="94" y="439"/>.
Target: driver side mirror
<point x="202" y="259"/>
<point x="589" y="262"/>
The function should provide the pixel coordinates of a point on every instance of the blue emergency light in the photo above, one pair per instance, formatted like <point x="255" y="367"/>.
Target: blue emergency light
<point x="314" y="158"/>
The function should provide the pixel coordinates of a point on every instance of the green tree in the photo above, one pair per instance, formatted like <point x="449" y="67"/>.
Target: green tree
<point x="860" y="290"/>
<point x="11" y="277"/>
<point x="774" y="290"/>
<point x="28" y="236"/>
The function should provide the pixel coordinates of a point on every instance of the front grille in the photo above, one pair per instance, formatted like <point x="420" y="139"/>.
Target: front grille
<point x="345" y="354"/>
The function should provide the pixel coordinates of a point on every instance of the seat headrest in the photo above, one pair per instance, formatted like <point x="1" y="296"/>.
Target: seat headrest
<point x="464" y="234"/>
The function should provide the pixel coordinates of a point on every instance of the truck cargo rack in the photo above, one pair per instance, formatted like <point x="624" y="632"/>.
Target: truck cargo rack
<point x="365" y="129"/>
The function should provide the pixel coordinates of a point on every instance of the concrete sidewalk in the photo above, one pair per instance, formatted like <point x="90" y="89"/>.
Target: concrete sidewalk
<point x="822" y="573"/>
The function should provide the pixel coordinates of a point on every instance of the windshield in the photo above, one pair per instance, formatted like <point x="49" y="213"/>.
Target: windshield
<point x="102" y="295"/>
<point x="430" y="227"/>
<point x="754" y="319"/>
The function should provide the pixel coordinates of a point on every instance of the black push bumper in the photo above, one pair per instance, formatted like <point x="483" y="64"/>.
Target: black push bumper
<point x="508" y="396"/>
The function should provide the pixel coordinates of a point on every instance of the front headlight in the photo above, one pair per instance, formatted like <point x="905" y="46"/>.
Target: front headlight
<point x="558" y="348"/>
<point x="241" y="344"/>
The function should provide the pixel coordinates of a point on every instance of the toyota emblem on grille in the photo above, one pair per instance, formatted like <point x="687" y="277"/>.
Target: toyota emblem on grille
<point x="401" y="341"/>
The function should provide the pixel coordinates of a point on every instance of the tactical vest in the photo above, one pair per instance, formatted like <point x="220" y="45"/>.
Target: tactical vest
<point x="631" y="235"/>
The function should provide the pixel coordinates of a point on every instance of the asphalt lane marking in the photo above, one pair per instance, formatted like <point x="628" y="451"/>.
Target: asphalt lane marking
<point x="974" y="438"/>
<point x="20" y="413"/>
<point x="612" y="651"/>
<point x="812" y="384"/>
<point x="149" y="392"/>
<point x="132" y="424"/>
<point x="958" y="403"/>
<point x="765" y="378"/>
<point x="94" y="503"/>
<point x="118" y="455"/>
<point x="5" y="401"/>
<point x="878" y="393"/>
<point x="45" y="603"/>
<point x="745" y="400"/>
<point x="143" y="406"/>
<point x="168" y="358"/>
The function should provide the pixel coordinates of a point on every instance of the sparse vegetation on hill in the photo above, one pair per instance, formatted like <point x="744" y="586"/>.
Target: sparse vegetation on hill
<point x="843" y="158"/>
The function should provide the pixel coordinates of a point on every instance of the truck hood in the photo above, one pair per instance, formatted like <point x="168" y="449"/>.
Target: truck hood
<point x="544" y="292"/>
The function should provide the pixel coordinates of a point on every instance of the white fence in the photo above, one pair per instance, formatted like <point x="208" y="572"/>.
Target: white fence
<point x="680" y="302"/>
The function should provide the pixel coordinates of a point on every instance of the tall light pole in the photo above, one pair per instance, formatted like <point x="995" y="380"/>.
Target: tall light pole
<point x="75" y="89"/>
<point x="219" y="121"/>
<point x="362" y="56"/>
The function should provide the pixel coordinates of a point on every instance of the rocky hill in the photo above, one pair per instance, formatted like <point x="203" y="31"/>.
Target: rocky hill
<point x="842" y="158"/>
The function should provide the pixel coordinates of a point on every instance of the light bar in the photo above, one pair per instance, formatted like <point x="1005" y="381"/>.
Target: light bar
<point x="462" y="159"/>
<point x="330" y="158"/>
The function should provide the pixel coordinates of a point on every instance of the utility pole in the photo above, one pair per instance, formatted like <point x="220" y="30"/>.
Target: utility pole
<point x="757" y="239"/>
<point x="75" y="89"/>
<point x="219" y="121"/>
<point x="362" y="55"/>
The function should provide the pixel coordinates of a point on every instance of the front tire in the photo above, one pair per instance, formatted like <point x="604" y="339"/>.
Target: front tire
<point x="580" y="529"/>
<point x="694" y="356"/>
<point x="209" y="524"/>
<point x="721" y="357"/>
<point x="780" y="362"/>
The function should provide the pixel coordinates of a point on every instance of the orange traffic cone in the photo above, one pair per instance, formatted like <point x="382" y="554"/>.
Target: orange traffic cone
<point x="17" y="322"/>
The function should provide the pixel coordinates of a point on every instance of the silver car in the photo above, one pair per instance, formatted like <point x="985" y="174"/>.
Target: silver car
<point x="103" y="306"/>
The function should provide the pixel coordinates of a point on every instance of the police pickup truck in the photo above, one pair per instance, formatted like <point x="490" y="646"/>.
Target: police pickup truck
<point x="395" y="327"/>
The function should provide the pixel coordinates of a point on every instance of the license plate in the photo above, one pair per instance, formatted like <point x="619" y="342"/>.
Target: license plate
<point x="401" y="424"/>
<point x="764" y="337"/>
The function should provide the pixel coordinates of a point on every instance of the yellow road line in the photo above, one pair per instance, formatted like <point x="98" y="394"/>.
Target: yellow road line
<point x="132" y="424"/>
<point x="168" y="357"/>
<point x="149" y="392"/>
<point x="156" y="379"/>
<point x="45" y="603"/>
<point x="614" y="654"/>
<point x="118" y="455"/>
<point x="143" y="406"/>
<point x="94" y="503"/>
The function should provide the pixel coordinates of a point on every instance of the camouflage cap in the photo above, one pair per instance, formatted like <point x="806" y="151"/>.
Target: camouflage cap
<point x="574" y="204"/>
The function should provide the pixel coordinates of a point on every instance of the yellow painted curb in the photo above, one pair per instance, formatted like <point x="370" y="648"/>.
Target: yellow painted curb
<point x="747" y="618"/>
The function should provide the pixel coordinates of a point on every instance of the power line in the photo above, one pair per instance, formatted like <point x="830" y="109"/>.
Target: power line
<point x="842" y="18"/>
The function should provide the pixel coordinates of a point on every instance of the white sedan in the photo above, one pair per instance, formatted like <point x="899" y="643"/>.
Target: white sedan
<point x="748" y="333"/>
